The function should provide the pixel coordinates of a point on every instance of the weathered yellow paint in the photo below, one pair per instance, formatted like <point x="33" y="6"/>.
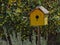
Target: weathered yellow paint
<point x="34" y="21"/>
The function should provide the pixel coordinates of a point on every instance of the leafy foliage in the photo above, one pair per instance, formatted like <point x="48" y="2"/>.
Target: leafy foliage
<point x="12" y="16"/>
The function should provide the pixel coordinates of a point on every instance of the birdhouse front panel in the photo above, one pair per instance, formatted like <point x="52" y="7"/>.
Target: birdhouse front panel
<point x="36" y="18"/>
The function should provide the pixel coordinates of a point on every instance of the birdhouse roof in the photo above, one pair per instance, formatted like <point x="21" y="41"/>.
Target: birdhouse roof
<point x="44" y="10"/>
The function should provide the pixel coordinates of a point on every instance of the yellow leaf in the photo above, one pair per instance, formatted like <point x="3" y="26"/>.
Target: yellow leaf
<point x="18" y="10"/>
<point x="10" y="1"/>
<point x="51" y="11"/>
<point x="58" y="13"/>
<point x="58" y="22"/>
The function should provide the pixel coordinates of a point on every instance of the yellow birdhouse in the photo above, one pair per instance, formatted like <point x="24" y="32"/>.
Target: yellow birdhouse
<point x="38" y="16"/>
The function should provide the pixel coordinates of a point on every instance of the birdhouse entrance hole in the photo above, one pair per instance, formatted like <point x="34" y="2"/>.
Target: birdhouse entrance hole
<point x="37" y="17"/>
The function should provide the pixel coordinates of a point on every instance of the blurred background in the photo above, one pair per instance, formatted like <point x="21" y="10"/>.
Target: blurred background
<point x="14" y="23"/>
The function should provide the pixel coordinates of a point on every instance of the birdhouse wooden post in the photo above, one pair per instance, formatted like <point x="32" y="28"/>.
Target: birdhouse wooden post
<point x="39" y="17"/>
